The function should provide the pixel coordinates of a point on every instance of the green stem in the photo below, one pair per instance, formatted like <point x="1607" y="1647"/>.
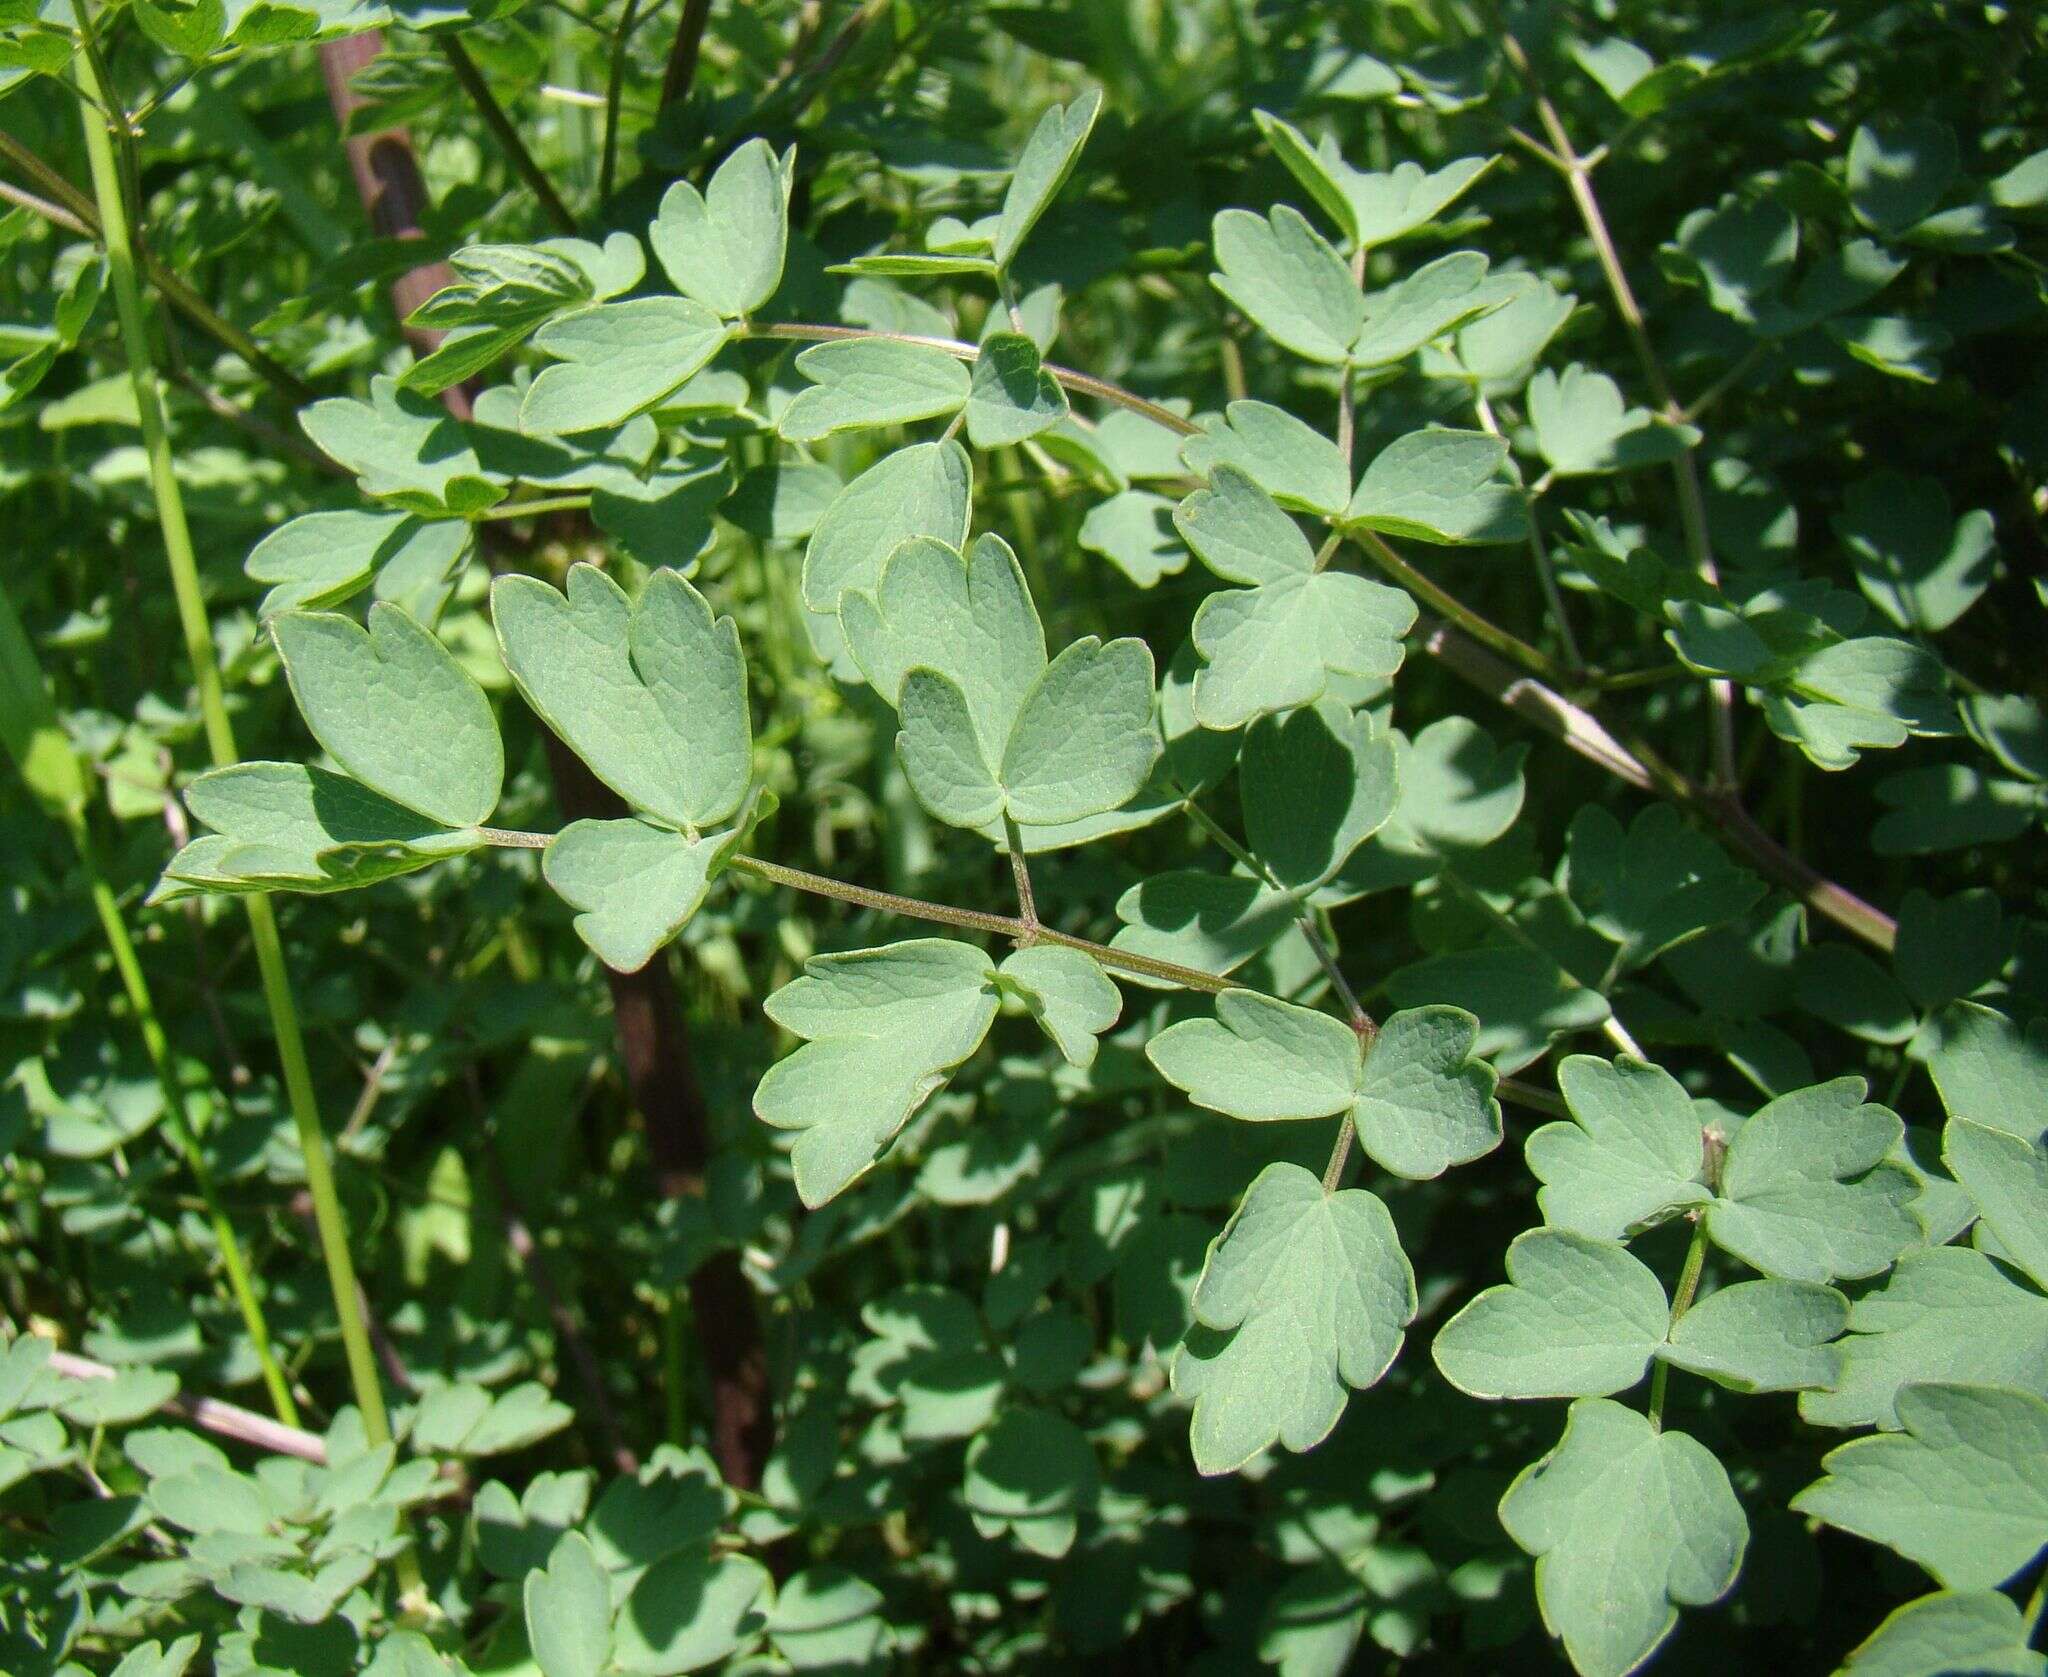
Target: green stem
<point x="1020" y="870"/>
<point x="502" y="130"/>
<point x="1681" y="1302"/>
<point x="614" y="87"/>
<point x="1083" y="384"/>
<point x="530" y="509"/>
<point x="220" y="739"/>
<point x="1009" y="926"/>
<point x="1488" y="634"/>
<point x="157" y="1046"/>
<point x="2030" y="1625"/>
<point x="32" y="735"/>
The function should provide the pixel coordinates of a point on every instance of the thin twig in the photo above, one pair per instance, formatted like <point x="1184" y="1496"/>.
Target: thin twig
<point x="614" y="87"/>
<point x="227" y="1420"/>
<point x="503" y="131"/>
<point x="679" y="75"/>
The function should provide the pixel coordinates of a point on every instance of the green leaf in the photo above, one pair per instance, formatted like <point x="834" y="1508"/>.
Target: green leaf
<point x="1292" y="462"/>
<point x="1134" y="531"/>
<point x="1277" y="647"/>
<point x="1067" y="993"/>
<point x="1498" y="350"/>
<point x="1431" y="301"/>
<point x="1805" y="1192"/>
<point x="403" y="447"/>
<point x="1420" y="1101"/>
<point x="923" y="490"/>
<point x="724" y="247"/>
<point x="826" y="1618"/>
<point x="1582" y="427"/>
<point x="1631" y="1156"/>
<point x="321" y="558"/>
<point x="689" y="1612"/>
<point x="2007" y="1176"/>
<point x="1048" y="159"/>
<point x="1303" y="1295"/>
<point x="890" y="1022"/>
<point x="1012" y="395"/>
<point x="1898" y="348"/>
<point x="1314" y="787"/>
<point x="942" y="753"/>
<point x="1948" y="1313"/>
<point x="569" y="1611"/>
<point x="1915" y="561"/>
<point x="1990" y="1069"/>
<point x="1762" y="1336"/>
<point x="1459" y="792"/>
<point x="1980" y="1631"/>
<point x="287" y="827"/>
<point x="636" y="885"/>
<point x="1627" y="1525"/>
<point x="1083" y="741"/>
<point x="1440" y="486"/>
<point x="191" y="30"/>
<point x="1280" y="271"/>
<point x="969" y="618"/>
<point x="1369" y="209"/>
<point x="1742" y="252"/>
<point x="1898" y="170"/>
<point x="1031" y="1475"/>
<point x="1212" y="922"/>
<point x="395" y="709"/>
<point x="1654" y="887"/>
<point x="1950" y="807"/>
<point x="152" y="1659"/>
<point x="1240" y="533"/>
<point x="2013" y="729"/>
<point x="651" y="694"/>
<point x="870" y="382"/>
<point x="614" y="360"/>
<point x="1963" y="1490"/>
<point x="1523" y="999"/>
<point x="1577" y="1318"/>
<point x="1874" y="691"/>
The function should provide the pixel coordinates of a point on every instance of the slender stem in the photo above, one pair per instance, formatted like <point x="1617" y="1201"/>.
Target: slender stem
<point x="614" y="87"/>
<point x="1681" y="1302"/>
<point x="680" y="73"/>
<point x="1347" y="392"/>
<point x="1085" y="384"/>
<point x="1546" y="573"/>
<point x="1735" y="374"/>
<point x="529" y="509"/>
<point x="55" y="214"/>
<point x="1486" y="633"/>
<point x="156" y="1045"/>
<point x="83" y="218"/>
<point x="1692" y="513"/>
<point x="220" y="741"/>
<point x="227" y="1420"/>
<point x="2030" y="1624"/>
<point x="502" y="130"/>
<point x="1027" y="903"/>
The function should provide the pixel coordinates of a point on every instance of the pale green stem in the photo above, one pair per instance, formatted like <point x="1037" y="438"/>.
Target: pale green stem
<point x="1027" y="901"/>
<point x="157" y="1046"/>
<point x="220" y="739"/>
<point x="1681" y="1302"/>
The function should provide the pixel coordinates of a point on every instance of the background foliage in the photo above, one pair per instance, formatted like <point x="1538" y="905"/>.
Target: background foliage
<point x="1537" y="519"/>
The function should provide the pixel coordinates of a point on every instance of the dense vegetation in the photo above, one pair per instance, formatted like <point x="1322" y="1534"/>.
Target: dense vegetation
<point x="1086" y="833"/>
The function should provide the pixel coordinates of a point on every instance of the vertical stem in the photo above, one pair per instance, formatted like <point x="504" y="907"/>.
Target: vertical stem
<point x="1681" y="1302"/>
<point x="157" y="1046"/>
<point x="507" y="136"/>
<point x="1546" y="573"/>
<point x="614" y="87"/>
<point x="220" y="739"/>
<point x="1020" y="870"/>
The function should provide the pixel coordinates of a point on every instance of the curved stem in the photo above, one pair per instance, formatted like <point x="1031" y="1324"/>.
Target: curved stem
<point x="614" y="88"/>
<point x="1681" y="1302"/>
<point x="198" y="638"/>
<point x="1084" y="384"/>
<point x="503" y="131"/>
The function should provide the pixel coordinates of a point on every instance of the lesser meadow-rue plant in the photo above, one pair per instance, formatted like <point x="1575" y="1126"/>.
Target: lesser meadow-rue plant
<point x="1225" y="693"/>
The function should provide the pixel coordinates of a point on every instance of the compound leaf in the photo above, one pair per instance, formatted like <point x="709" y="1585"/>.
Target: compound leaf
<point x="394" y="708"/>
<point x="652" y="693"/>
<point x="1303" y="1294"/>
<point x="1627" y="1525"/>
